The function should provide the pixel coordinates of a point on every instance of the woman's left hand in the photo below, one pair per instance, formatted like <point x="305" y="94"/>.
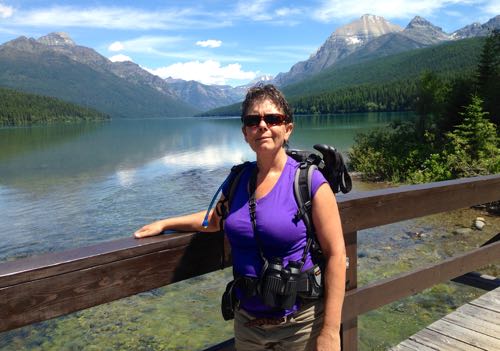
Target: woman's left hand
<point x="328" y="341"/>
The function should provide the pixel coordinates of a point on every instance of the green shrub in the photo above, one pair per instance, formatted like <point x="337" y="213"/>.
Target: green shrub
<point x="473" y="147"/>
<point x="397" y="154"/>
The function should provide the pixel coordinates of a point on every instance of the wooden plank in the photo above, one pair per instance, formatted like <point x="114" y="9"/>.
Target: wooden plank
<point x="374" y="208"/>
<point x="474" y="323"/>
<point x="349" y="330"/>
<point x="470" y="326"/>
<point x="49" y="297"/>
<point x="479" y="313"/>
<point x="349" y="335"/>
<point x="374" y="295"/>
<point x="351" y="248"/>
<point x="489" y="301"/>
<point x="412" y="345"/>
<point x="19" y="271"/>
<point x="441" y="342"/>
<point x="467" y="336"/>
<point x="402" y="347"/>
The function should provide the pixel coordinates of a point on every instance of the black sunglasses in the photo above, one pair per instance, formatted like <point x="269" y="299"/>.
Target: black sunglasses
<point x="271" y="119"/>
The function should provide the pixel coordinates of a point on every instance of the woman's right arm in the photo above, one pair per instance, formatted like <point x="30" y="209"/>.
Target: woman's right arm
<point x="188" y="223"/>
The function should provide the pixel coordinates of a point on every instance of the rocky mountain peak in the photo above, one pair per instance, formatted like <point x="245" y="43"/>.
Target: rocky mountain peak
<point x="493" y="23"/>
<point x="173" y="80"/>
<point x="419" y="22"/>
<point x="425" y="32"/>
<point x="367" y="26"/>
<point x="57" y="39"/>
<point x="340" y="44"/>
<point x="477" y="29"/>
<point x="263" y="79"/>
<point x="471" y="30"/>
<point x="21" y="43"/>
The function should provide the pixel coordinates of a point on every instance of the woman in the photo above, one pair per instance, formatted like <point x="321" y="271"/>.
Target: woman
<point x="275" y="232"/>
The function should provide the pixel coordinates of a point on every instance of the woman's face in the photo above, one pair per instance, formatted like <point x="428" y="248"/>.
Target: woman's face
<point x="264" y="138"/>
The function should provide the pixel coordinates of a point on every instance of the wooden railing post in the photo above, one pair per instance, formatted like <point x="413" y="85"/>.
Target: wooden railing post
<point x="349" y="329"/>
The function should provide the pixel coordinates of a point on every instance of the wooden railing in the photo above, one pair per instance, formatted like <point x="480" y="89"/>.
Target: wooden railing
<point x="51" y="285"/>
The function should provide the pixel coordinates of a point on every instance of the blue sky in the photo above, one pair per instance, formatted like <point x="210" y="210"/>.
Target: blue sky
<point x="219" y="42"/>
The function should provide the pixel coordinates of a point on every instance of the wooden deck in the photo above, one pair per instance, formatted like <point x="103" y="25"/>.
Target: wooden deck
<point x="473" y="326"/>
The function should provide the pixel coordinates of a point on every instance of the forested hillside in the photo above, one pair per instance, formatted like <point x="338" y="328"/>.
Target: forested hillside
<point x="455" y="134"/>
<point x="32" y="67"/>
<point x="18" y="108"/>
<point x="382" y="84"/>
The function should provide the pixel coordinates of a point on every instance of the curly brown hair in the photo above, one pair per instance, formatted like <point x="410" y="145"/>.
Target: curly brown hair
<point x="260" y="93"/>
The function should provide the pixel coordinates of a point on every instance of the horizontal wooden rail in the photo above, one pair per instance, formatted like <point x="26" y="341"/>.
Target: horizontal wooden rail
<point x="370" y="209"/>
<point x="51" y="285"/>
<point x="76" y="280"/>
<point x="382" y="292"/>
<point x="178" y="244"/>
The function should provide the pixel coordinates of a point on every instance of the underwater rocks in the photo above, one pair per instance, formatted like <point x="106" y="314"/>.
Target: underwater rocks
<point x="479" y="223"/>
<point x="462" y="231"/>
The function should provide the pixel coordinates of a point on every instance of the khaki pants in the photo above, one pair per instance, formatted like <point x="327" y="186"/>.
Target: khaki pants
<point x="294" y="333"/>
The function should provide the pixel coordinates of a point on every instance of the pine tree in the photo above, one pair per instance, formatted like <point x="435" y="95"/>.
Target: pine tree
<point x="432" y="93"/>
<point x="488" y="76"/>
<point x="474" y="144"/>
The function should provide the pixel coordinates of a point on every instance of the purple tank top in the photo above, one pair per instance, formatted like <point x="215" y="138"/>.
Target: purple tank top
<point x="278" y="231"/>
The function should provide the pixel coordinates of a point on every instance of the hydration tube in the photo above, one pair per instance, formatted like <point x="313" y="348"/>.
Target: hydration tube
<point x="205" y="220"/>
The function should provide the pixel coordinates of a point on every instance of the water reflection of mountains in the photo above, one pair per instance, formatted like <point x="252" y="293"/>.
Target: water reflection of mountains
<point x="54" y="154"/>
<point x="19" y="140"/>
<point x="84" y="153"/>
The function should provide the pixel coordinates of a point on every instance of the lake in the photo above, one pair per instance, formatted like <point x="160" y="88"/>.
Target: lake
<point x="66" y="186"/>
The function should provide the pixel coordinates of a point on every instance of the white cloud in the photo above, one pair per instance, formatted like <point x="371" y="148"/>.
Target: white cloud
<point x="168" y="47"/>
<point x="6" y="11"/>
<point x="206" y="72"/>
<point x="209" y="43"/>
<point x="116" y="46"/>
<point x="118" y="18"/>
<point x="287" y="11"/>
<point x="492" y="8"/>
<point x="136" y="18"/>
<point x="257" y="10"/>
<point x="120" y="58"/>
<point x="145" y="44"/>
<point x="341" y="9"/>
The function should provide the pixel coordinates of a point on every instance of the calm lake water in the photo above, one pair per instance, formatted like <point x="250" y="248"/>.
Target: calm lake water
<point x="65" y="186"/>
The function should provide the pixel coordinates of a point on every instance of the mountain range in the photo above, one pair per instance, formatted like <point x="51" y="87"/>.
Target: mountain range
<point x="54" y="65"/>
<point x="372" y="36"/>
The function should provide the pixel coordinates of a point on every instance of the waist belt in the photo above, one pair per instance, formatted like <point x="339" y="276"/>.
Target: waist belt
<point x="307" y="285"/>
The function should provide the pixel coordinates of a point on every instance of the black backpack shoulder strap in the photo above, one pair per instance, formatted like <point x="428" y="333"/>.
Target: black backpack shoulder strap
<point x="232" y="184"/>
<point x="238" y="171"/>
<point x="302" y="193"/>
<point x="303" y="196"/>
<point x="302" y="186"/>
<point x="223" y="207"/>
